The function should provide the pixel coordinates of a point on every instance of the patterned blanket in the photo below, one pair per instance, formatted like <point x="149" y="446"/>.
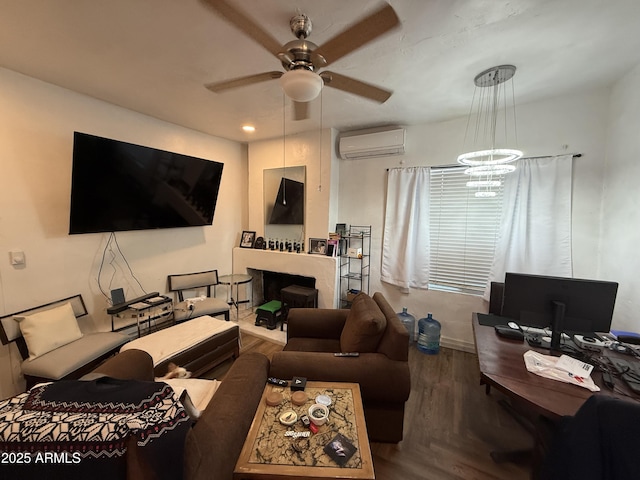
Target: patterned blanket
<point x="82" y="425"/>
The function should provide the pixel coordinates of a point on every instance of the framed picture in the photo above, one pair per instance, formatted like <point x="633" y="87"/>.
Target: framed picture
<point x="318" y="246"/>
<point x="247" y="239"/>
<point x="341" y="229"/>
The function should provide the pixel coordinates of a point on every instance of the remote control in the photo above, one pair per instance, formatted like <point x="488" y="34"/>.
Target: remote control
<point x="346" y="354"/>
<point x="277" y="381"/>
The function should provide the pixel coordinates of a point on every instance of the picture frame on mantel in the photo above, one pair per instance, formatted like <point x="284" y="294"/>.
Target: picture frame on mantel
<point x="247" y="239"/>
<point x="318" y="246"/>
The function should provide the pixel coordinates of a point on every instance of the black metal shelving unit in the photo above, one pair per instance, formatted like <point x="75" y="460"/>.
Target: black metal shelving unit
<point x="355" y="262"/>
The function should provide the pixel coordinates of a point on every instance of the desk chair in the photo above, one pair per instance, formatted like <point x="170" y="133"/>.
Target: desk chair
<point x="196" y="283"/>
<point x="601" y="441"/>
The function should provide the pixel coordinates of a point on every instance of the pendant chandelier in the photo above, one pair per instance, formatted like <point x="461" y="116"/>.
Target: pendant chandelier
<point x="494" y="128"/>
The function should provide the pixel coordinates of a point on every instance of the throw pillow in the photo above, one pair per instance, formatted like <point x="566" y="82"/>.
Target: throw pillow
<point x="47" y="330"/>
<point x="364" y="326"/>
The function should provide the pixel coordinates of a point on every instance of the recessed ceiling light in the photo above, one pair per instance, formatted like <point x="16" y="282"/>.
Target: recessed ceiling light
<point x="248" y="128"/>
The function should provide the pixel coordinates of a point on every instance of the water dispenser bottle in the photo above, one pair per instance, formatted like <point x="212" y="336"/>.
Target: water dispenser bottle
<point x="429" y="335"/>
<point x="409" y="321"/>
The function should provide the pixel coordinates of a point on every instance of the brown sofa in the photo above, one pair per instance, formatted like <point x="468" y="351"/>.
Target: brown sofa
<point x="213" y="444"/>
<point x="371" y="328"/>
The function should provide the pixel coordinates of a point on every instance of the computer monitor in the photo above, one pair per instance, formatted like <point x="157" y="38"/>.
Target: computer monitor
<point x="570" y="304"/>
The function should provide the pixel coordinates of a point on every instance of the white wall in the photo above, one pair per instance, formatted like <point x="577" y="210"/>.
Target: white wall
<point x="304" y="149"/>
<point x="575" y="123"/>
<point x="36" y="140"/>
<point x="619" y="258"/>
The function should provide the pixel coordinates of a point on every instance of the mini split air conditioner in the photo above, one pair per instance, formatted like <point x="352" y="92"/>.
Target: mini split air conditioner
<point x="368" y="145"/>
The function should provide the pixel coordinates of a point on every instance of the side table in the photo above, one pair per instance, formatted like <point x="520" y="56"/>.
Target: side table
<point x="235" y="280"/>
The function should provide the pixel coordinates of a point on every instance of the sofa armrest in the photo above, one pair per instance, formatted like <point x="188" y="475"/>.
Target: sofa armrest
<point x="395" y="341"/>
<point x="316" y="322"/>
<point x="380" y="378"/>
<point x="128" y="365"/>
<point x="214" y="443"/>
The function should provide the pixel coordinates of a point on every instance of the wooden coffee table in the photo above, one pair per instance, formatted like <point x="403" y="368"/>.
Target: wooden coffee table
<point x="269" y="454"/>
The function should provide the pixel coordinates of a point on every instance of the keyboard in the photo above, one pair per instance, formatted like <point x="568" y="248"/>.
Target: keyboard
<point x="629" y="372"/>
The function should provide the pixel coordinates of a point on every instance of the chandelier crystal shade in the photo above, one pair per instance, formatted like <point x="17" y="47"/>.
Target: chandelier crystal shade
<point x="494" y="133"/>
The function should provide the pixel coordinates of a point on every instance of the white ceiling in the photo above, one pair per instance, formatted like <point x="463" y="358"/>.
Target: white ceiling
<point x="154" y="56"/>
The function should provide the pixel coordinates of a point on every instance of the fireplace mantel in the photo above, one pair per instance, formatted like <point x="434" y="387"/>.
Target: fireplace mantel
<point x="324" y="269"/>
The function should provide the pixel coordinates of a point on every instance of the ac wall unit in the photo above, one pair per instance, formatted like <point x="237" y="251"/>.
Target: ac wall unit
<point x="368" y="145"/>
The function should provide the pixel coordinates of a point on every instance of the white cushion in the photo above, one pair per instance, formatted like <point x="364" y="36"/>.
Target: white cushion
<point x="207" y="306"/>
<point x="199" y="390"/>
<point x="47" y="330"/>
<point x="64" y="360"/>
<point x="168" y="342"/>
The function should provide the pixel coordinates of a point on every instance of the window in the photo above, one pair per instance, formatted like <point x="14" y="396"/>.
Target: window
<point x="463" y="232"/>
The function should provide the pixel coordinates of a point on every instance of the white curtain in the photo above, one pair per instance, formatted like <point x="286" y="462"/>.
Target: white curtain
<point x="405" y="246"/>
<point x="535" y="233"/>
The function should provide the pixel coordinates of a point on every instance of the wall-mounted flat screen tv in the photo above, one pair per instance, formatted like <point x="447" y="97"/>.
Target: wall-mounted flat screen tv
<point x="119" y="186"/>
<point x="288" y="208"/>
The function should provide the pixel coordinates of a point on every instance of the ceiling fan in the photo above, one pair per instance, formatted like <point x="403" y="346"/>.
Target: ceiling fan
<point x="303" y="59"/>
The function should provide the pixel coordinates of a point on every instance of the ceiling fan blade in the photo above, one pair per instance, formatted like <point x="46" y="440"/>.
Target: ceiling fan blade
<point x="242" y="81"/>
<point x="246" y="24"/>
<point x="300" y="110"/>
<point x="354" y="37"/>
<point x="351" y="85"/>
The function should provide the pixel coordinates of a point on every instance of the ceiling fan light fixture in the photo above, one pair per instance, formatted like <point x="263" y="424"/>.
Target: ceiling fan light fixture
<point x="301" y="85"/>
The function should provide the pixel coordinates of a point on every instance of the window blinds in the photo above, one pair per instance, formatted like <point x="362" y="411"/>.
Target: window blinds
<point x="463" y="232"/>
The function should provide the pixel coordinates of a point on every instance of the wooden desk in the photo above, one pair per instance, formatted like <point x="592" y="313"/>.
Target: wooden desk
<point x="502" y="366"/>
<point x="268" y="454"/>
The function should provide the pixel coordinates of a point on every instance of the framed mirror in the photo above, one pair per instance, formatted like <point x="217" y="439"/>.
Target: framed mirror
<point x="284" y="203"/>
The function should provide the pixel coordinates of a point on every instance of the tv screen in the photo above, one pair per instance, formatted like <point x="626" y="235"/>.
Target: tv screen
<point x="288" y="208"/>
<point x="589" y="304"/>
<point x="118" y="186"/>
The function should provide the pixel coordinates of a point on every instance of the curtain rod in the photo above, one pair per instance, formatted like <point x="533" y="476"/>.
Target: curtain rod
<point x="574" y="155"/>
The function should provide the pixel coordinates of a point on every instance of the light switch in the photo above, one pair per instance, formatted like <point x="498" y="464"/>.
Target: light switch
<point x="16" y="257"/>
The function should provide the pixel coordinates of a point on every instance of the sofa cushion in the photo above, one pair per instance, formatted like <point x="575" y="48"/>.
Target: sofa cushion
<point x="214" y="443"/>
<point x="207" y="306"/>
<point x="328" y="345"/>
<point x="64" y="360"/>
<point x="47" y="330"/>
<point x="364" y="326"/>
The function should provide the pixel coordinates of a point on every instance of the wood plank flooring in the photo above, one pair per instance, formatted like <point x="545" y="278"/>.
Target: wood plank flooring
<point x="451" y="426"/>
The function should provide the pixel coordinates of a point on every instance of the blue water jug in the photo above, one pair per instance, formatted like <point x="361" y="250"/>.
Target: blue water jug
<point x="409" y="321"/>
<point x="429" y="335"/>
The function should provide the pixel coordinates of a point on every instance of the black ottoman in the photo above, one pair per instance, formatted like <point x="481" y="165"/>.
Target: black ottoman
<point x="296" y="296"/>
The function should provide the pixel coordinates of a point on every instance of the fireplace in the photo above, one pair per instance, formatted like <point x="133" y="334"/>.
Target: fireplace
<point x="320" y="269"/>
<point x="269" y="284"/>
